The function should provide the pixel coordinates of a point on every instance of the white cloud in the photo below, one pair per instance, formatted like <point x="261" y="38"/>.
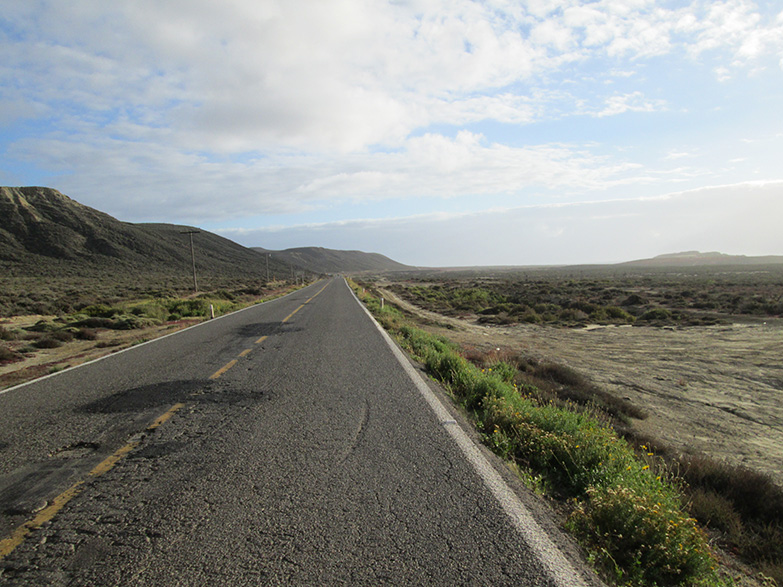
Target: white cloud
<point x="633" y="102"/>
<point x="679" y="155"/>
<point x="193" y="109"/>
<point x="255" y="75"/>
<point x="151" y="181"/>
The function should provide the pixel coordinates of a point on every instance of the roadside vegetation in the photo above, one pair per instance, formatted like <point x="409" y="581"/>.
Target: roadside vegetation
<point x="99" y="312"/>
<point x="645" y="515"/>
<point x="642" y="299"/>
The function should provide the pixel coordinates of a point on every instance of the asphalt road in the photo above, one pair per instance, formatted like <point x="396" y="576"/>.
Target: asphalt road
<point x="285" y="444"/>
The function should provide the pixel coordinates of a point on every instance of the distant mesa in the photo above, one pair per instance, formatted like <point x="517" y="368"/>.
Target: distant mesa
<point x="699" y="259"/>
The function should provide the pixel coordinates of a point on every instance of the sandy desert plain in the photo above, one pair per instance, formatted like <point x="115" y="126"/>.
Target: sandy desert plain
<point x="711" y="388"/>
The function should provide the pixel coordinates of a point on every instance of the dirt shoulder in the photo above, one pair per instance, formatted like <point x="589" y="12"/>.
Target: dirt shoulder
<point x="50" y="360"/>
<point x="711" y="389"/>
<point x="29" y="361"/>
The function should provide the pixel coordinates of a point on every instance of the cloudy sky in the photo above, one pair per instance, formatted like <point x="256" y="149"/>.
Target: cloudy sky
<point x="437" y="132"/>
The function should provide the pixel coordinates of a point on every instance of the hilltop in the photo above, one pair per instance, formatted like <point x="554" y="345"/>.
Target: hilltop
<point x="44" y="232"/>
<point x="321" y="260"/>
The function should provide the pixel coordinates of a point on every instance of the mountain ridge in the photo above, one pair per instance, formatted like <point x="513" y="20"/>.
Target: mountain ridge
<point x="45" y="232"/>
<point x="323" y="260"/>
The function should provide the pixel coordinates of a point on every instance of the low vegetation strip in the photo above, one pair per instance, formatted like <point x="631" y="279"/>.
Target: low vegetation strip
<point x="45" y="344"/>
<point x="545" y="297"/>
<point x="623" y="509"/>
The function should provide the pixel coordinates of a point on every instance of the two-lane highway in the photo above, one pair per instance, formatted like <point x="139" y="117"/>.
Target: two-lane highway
<point x="283" y="444"/>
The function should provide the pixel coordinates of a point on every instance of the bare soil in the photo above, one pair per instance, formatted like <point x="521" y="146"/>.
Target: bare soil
<point x="717" y="390"/>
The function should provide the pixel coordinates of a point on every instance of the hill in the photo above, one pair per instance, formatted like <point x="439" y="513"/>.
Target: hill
<point x="321" y="260"/>
<point x="44" y="232"/>
<point x="698" y="259"/>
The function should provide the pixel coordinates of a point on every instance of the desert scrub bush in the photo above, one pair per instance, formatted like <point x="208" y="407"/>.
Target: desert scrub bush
<point x="47" y="342"/>
<point x="6" y="334"/>
<point x="581" y="458"/>
<point x="43" y="326"/>
<point x="86" y="334"/>
<point x="745" y="506"/>
<point x="100" y="311"/>
<point x="7" y="354"/>
<point x="63" y="335"/>
<point x="132" y="322"/>
<point x="154" y="309"/>
<point x="656" y="315"/>
<point x="220" y="294"/>
<point x="572" y="316"/>
<point x="93" y="323"/>
<point x="199" y="307"/>
<point x="641" y="537"/>
<point x="617" y="313"/>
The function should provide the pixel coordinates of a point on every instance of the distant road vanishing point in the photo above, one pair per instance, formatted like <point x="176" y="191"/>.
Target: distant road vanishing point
<point x="290" y="443"/>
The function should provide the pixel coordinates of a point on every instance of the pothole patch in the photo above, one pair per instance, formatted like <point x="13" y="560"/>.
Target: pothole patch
<point x="75" y="450"/>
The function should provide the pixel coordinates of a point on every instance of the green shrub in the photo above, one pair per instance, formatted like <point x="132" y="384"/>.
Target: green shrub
<point x="86" y="334"/>
<point x="7" y="354"/>
<point x="6" y="334"/>
<point x="188" y="308"/>
<point x="94" y="323"/>
<point x="531" y="317"/>
<point x="641" y="537"/>
<point x="154" y="309"/>
<point x="572" y="315"/>
<point x="505" y="371"/>
<point x="617" y="314"/>
<point x="131" y="322"/>
<point x="198" y="308"/>
<point x="656" y="315"/>
<point x="100" y="311"/>
<point x="47" y="342"/>
<point x="44" y="326"/>
<point x="62" y="335"/>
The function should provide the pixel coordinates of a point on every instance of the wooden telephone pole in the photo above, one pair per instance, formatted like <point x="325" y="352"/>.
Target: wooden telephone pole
<point x="192" y="256"/>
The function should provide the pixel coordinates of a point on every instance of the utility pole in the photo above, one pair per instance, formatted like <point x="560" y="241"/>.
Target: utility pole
<point x="192" y="256"/>
<point x="267" y="266"/>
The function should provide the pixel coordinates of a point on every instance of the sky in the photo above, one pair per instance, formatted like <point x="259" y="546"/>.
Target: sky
<point x="436" y="132"/>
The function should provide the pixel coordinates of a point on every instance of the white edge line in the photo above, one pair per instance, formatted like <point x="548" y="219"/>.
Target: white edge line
<point x="135" y="346"/>
<point x="549" y="555"/>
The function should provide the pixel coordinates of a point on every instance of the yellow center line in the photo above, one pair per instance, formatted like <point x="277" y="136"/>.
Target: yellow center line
<point x="8" y="545"/>
<point x="223" y="369"/>
<point x="292" y="313"/>
<point x="164" y="417"/>
<point x="262" y="339"/>
<point x="319" y="291"/>
<point x="245" y="353"/>
<point x="109" y="462"/>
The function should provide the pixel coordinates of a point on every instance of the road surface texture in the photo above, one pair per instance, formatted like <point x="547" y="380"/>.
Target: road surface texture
<point x="285" y="444"/>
